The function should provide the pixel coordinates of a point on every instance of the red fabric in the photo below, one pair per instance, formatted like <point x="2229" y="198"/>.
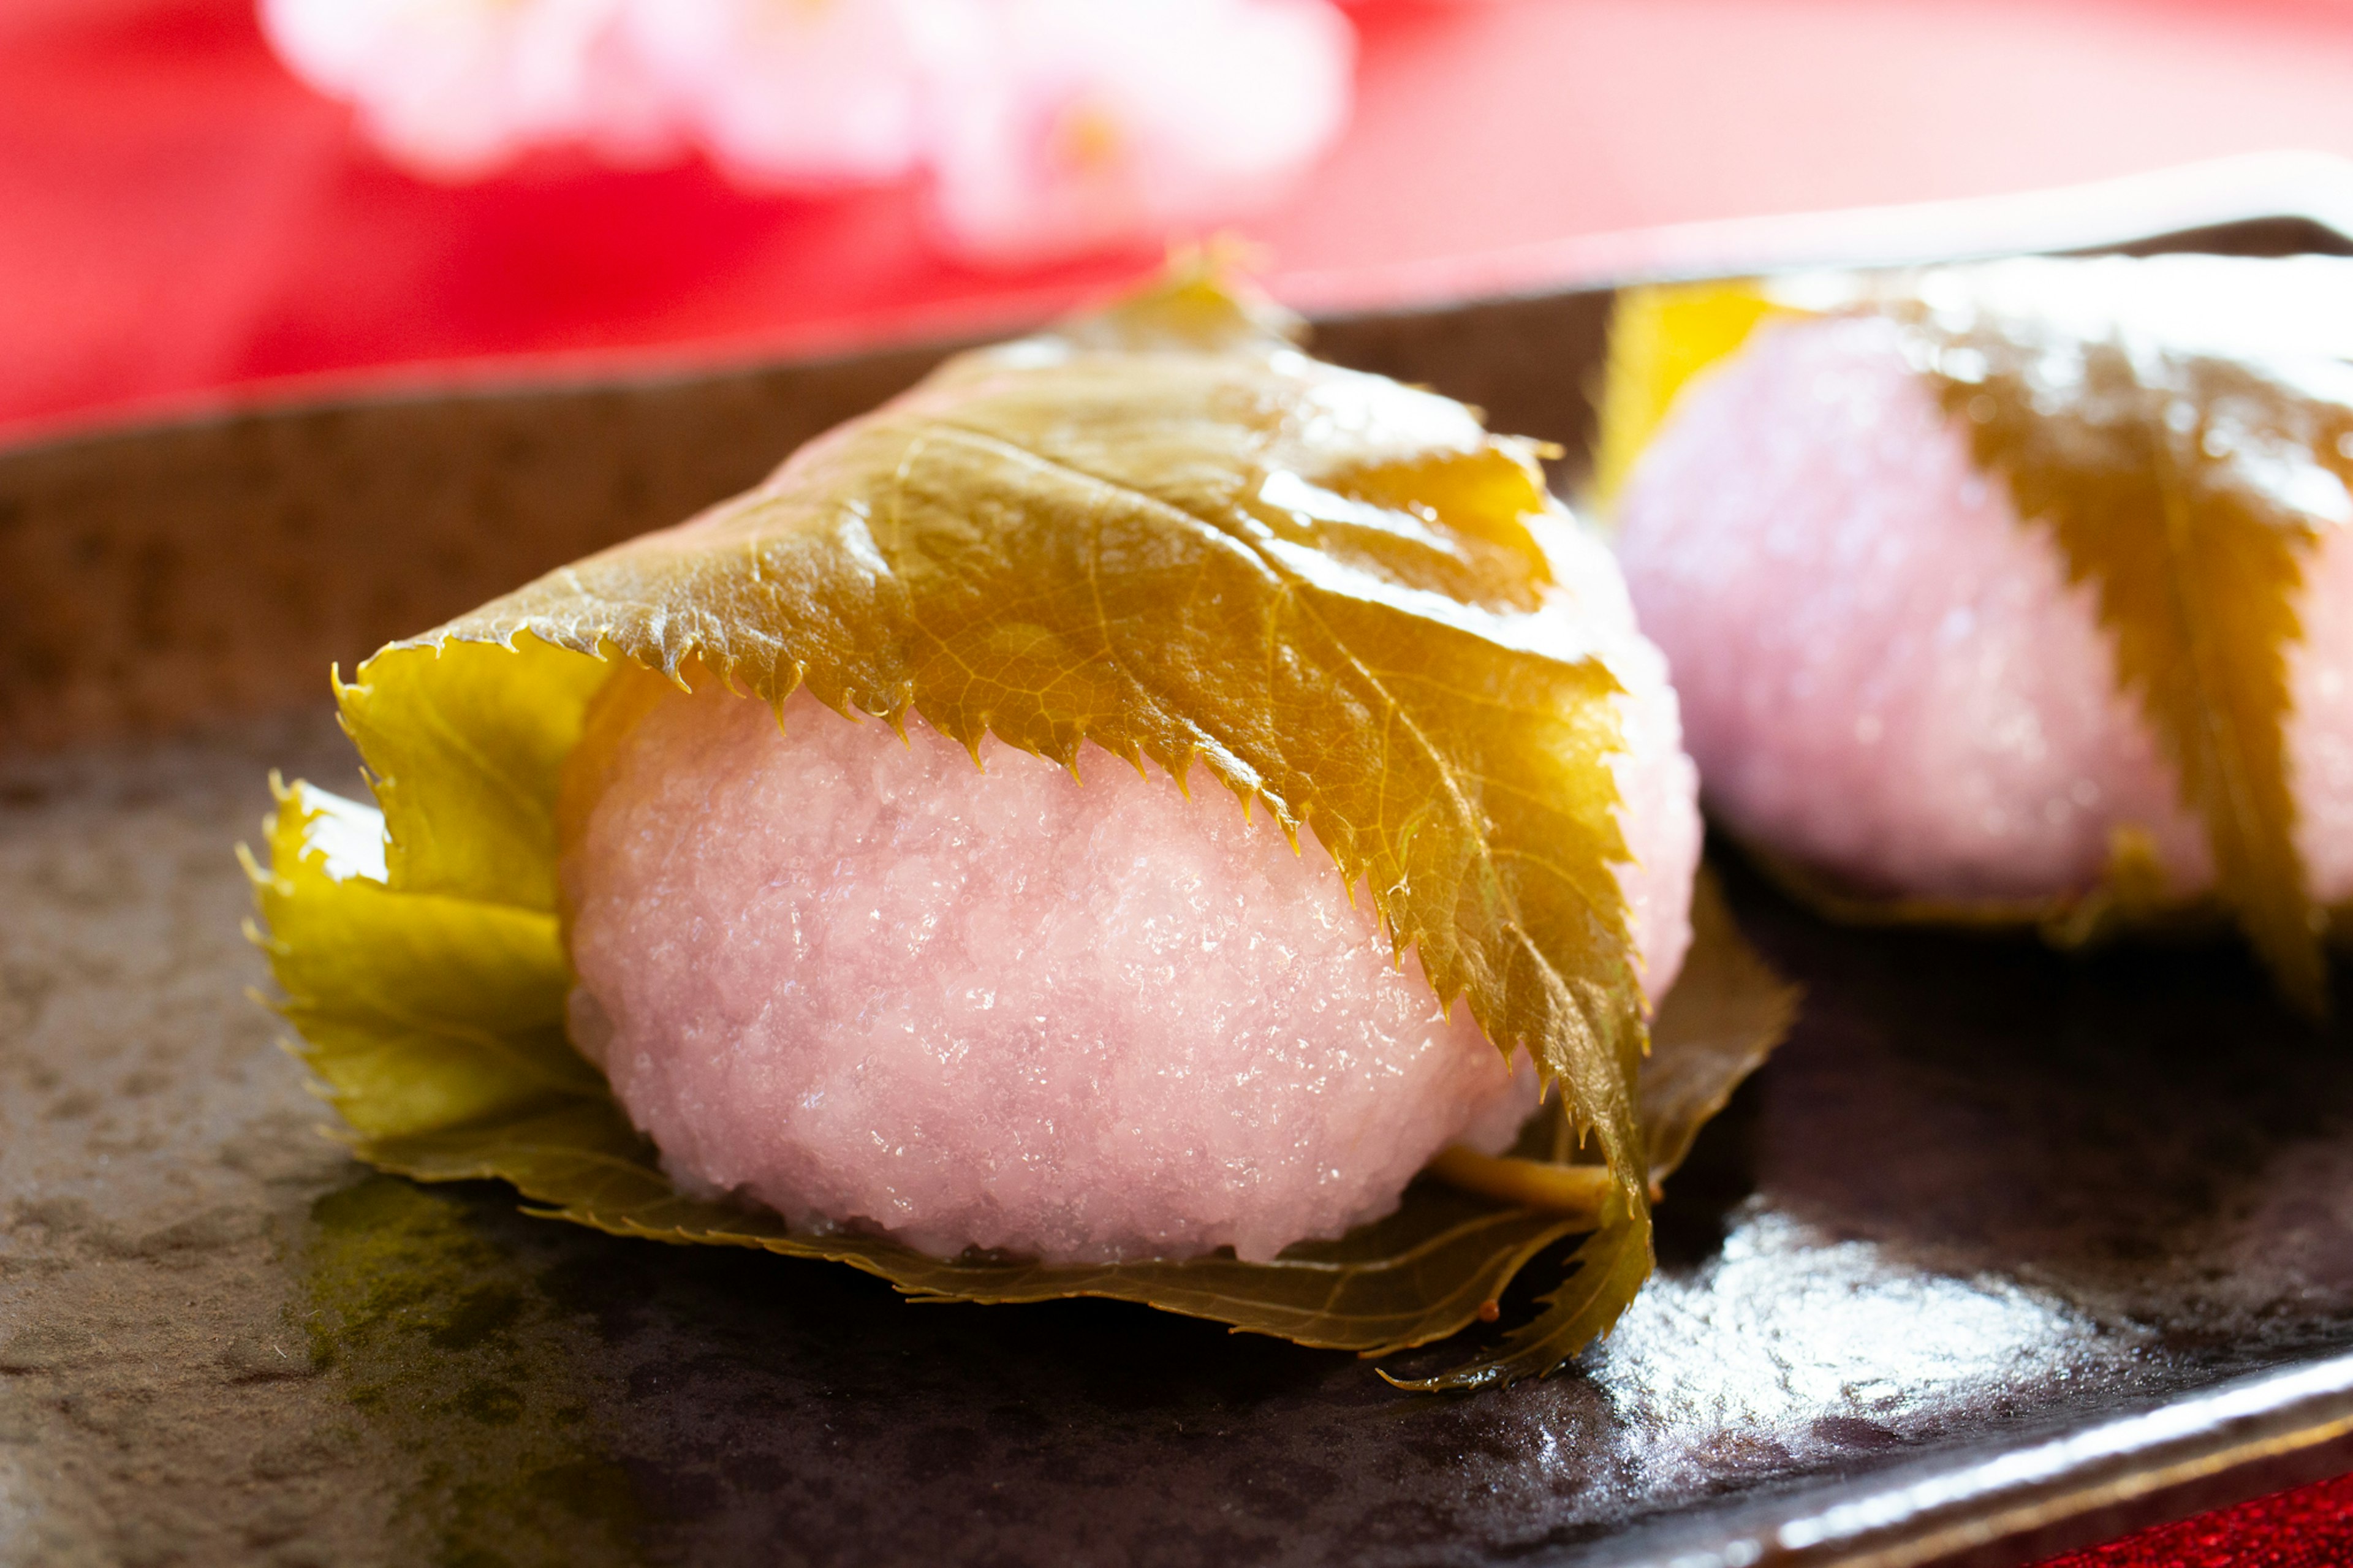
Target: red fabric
<point x="2309" y="1527"/>
<point x="178" y="216"/>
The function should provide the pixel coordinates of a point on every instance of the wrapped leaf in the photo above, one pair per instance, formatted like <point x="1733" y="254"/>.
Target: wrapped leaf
<point x="1660" y="338"/>
<point x="1163" y="531"/>
<point x="1727" y="1012"/>
<point x="2183" y="429"/>
<point x="435" y="1024"/>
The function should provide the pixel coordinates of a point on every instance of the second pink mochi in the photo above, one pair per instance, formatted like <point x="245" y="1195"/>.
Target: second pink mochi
<point x="1884" y="671"/>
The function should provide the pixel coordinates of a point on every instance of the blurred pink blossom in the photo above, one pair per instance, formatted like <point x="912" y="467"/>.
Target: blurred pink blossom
<point x="1044" y="127"/>
<point x="1080" y="123"/>
<point x="795" y="93"/>
<point x="455" y="89"/>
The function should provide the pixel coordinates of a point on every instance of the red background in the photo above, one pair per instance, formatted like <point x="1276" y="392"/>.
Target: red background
<point x="2310" y="1527"/>
<point x="177" y="216"/>
<point x="181" y="222"/>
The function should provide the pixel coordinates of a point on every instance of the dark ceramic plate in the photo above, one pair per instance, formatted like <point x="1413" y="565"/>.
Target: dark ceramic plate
<point x="2002" y="1253"/>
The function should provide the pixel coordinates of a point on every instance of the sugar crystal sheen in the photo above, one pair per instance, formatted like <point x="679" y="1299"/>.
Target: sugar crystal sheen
<point x="1884" y="671"/>
<point x="866" y="982"/>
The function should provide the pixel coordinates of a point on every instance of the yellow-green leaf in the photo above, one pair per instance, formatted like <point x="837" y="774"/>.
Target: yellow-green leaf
<point x="1660" y="338"/>
<point x="423" y="1011"/>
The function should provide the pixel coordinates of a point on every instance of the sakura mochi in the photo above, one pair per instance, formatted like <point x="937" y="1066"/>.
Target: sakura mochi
<point x="867" y="982"/>
<point x="860" y="870"/>
<point x="1891" y="540"/>
<point x="1884" y="671"/>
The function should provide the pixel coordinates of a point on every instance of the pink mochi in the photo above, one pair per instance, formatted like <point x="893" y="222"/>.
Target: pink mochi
<point x="1885" y="674"/>
<point x="870" y="984"/>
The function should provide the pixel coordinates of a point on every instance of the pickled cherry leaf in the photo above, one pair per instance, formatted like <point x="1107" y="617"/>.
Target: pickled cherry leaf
<point x="455" y="1067"/>
<point x="1661" y="339"/>
<point x="2182" y="428"/>
<point x="1605" y="1272"/>
<point x="1727" y="1010"/>
<point x="2173" y="484"/>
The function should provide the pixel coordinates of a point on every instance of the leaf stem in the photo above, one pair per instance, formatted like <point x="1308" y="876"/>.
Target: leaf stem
<point x="1578" y="1190"/>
